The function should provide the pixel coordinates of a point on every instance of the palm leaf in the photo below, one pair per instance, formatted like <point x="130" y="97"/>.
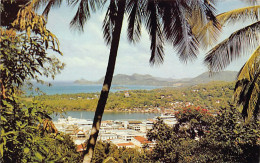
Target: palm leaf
<point x="178" y="23"/>
<point x="249" y="66"/>
<point x="109" y="21"/>
<point x="236" y="15"/>
<point x="187" y="44"/>
<point x="203" y="14"/>
<point x="247" y="92"/>
<point x="134" y="20"/>
<point x="238" y="43"/>
<point x="154" y="29"/>
<point x="208" y="35"/>
<point x="83" y="12"/>
<point x="252" y="2"/>
<point x="47" y="4"/>
<point x="247" y="96"/>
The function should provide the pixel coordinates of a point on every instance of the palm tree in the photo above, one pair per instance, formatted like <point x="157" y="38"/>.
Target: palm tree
<point x="169" y="21"/>
<point x="242" y="41"/>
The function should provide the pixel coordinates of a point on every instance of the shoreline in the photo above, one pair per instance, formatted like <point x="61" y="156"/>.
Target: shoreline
<point x="111" y="111"/>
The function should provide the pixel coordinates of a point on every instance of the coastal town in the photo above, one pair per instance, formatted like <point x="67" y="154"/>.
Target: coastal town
<point x="123" y="133"/>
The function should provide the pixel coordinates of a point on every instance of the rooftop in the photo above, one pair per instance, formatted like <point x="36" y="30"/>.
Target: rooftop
<point x="142" y="140"/>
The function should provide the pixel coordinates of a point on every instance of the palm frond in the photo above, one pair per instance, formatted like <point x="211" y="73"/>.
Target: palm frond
<point x="209" y="34"/>
<point x="247" y="92"/>
<point x="177" y="28"/>
<point x="238" y="43"/>
<point x="236" y="15"/>
<point x="154" y="29"/>
<point x="204" y="23"/>
<point x="51" y="3"/>
<point x="203" y="12"/>
<point x="47" y="5"/>
<point x="252" y="2"/>
<point x="187" y="44"/>
<point x="83" y="12"/>
<point x="134" y="20"/>
<point x="250" y="65"/>
<point x="247" y="95"/>
<point x="109" y="21"/>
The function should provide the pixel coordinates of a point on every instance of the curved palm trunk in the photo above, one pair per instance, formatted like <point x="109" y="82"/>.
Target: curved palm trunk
<point x="106" y="85"/>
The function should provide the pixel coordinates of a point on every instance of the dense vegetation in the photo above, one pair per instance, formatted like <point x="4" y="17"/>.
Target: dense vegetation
<point x="27" y="133"/>
<point x="198" y="136"/>
<point x="107" y="152"/>
<point x="212" y="95"/>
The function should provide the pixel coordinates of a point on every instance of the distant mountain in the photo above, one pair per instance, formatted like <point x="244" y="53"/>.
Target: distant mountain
<point x="138" y="79"/>
<point x="135" y="79"/>
<point x="221" y="76"/>
<point x="83" y="81"/>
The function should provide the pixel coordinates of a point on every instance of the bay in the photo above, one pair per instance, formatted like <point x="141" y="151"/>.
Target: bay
<point x="71" y="88"/>
<point x="107" y="115"/>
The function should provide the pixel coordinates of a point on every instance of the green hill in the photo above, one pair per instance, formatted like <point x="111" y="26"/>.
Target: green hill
<point x="221" y="76"/>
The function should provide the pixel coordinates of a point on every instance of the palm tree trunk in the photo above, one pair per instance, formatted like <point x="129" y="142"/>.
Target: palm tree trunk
<point x="106" y="85"/>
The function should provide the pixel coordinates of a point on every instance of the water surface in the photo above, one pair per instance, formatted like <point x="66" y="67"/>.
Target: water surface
<point x="107" y="115"/>
<point x="71" y="88"/>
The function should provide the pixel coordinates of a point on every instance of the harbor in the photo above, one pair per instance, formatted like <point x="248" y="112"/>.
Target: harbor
<point x="128" y="133"/>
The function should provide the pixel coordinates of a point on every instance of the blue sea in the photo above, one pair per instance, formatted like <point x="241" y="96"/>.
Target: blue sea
<point x="71" y="88"/>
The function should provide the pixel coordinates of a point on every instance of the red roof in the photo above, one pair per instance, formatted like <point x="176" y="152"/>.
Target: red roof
<point x="80" y="147"/>
<point x="142" y="140"/>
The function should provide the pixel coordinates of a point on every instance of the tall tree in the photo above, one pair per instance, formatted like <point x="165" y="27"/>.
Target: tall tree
<point x="169" y="21"/>
<point x="242" y="41"/>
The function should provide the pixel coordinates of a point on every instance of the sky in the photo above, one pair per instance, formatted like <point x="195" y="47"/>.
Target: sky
<point x="86" y="54"/>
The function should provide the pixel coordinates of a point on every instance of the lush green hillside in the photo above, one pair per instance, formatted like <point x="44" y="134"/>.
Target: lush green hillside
<point x="211" y="95"/>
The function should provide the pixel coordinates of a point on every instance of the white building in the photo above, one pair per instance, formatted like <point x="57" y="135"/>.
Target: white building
<point x="107" y="136"/>
<point x="122" y="143"/>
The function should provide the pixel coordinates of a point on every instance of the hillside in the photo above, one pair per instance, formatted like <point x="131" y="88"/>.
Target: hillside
<point x="210" y="95"/>
<point x="138" y="79"/>
<point x="227" y="76"/>
<point x="135" y="79"/>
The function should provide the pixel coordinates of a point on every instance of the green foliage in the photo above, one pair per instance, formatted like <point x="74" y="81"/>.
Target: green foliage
<point x="24" y="58"/>
<point x="24" y="134"/>
<point x="24" y="55"/>
<point x="199" y="137"/>
<point x="179" y="143"/>
<point x="107" y="152"/>
<point x="211" y="96"/>
<point x="25" y="139"/>
<point x="192" y="122"/>
<point x="231" y="140"/>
